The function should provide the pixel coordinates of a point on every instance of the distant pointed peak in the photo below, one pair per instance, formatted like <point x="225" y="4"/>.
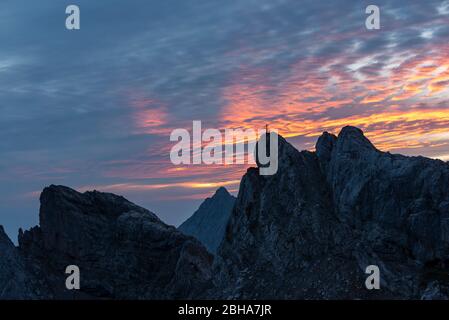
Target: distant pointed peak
<point x="222" y="191"/>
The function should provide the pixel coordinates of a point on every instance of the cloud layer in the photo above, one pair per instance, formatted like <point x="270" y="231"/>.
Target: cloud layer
<point x="94" y="108"/>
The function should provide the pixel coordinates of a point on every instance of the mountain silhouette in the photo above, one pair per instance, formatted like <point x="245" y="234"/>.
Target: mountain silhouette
<point x="122" y="250"/>
<point x="307" y="232"/>
<point x="311" y="230"/>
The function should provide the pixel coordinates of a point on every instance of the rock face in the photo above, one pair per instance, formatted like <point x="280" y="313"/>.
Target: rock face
<point x="16" y="280"/>
<point x="307" y="232"/>
<point x="310" y="230"/>
<point x="208" y="223"/>
<point x="123" y="251"/>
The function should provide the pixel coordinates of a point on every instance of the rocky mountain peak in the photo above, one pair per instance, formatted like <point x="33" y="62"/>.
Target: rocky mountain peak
<point x="221" y="192"/>
<point x="4" y="239"/>
<point x="324" y="146"/>
<point x="122" y="250"/>
<point x="61" y="199"/>
<point x="287" y="155"/>
<point x="311" y="230"/>
<point x="15" y="280"/>
<point x="353" y="139"/>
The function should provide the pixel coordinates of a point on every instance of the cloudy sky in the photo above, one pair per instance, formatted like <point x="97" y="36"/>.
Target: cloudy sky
<point x="94" y="108"/>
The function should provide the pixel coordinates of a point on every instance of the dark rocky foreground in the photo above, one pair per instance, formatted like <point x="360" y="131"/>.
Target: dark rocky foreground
<point x="123" y="252"/>
<point x="307" y="232"/>
<point x="311" y="230"/>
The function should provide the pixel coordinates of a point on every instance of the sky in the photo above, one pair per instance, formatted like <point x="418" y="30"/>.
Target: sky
<point x="94" y="108"/>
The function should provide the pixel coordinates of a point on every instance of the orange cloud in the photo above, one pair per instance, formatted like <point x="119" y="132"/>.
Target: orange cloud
<point x="402" y="105"/>
<point x="303" y="103"/>
<point x="150" y="115"/>
<point x="127" y="187"/>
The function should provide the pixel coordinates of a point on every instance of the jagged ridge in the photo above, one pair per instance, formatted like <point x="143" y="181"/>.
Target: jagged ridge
<point x="310" y="230"/>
